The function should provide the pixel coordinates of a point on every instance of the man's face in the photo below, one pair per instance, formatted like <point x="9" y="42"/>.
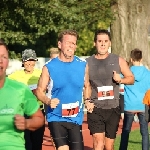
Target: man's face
<point x="4" y="60"/>
<point x="102" y="44"/>
<point x="29" y="65"/>
<point x="68" y="45"/>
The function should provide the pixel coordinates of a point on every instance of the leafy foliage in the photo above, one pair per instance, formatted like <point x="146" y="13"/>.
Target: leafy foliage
<point x="36" y="23"/>
<point x="13" y="55"/>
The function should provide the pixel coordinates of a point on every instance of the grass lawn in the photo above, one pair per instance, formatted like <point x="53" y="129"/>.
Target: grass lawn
<point x="134" y="141"/>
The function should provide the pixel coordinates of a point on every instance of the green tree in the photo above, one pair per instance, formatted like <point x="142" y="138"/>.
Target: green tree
<point x="86" y="40"/>
<point x="13" y="55"/>
<point x="36" y="23"/>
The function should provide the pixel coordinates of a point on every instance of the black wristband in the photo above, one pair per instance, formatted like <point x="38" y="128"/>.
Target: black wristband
<point x="87" y="99"/>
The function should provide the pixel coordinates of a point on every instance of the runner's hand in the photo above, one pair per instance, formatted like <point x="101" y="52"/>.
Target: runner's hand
<point x="53" y="102"/>
<point x="89" y="106"/>
<point x="20" y="122"/>
<point x="116" y="77"/>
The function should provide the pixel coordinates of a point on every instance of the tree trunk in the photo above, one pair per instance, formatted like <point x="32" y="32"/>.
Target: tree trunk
<point x="129" y="30"/>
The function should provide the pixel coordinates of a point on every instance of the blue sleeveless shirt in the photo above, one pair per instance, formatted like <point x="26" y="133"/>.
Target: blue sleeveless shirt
<point x="67" y="80"/>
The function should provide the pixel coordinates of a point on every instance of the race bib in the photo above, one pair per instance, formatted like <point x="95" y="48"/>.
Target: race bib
<point x="70" y="109"/>
<point x="105" y="92"/>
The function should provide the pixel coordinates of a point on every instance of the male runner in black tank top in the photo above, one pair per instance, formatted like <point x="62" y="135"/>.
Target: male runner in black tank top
<point x="103" y="105"/>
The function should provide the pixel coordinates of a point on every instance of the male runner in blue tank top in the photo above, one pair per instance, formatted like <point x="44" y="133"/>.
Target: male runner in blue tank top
<point x="68" y="76"/>
<point x="103" y="109"/>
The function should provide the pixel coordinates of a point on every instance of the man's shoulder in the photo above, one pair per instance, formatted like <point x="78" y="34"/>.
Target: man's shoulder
<point x="79" y="59"/>
<point x="48" y="61"/>
<point x="115" y="55"/>
<point x="89" y="58"/>
<point x="51" y="61"/>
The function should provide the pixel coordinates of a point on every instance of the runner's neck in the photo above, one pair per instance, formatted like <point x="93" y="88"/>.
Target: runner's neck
<point x="62" y="58"/>
<point x="2" y="81"/>
<point x="99" y="56"/>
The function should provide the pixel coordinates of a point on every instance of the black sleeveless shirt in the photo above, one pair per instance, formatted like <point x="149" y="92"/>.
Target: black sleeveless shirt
<point x="101" y="77"/>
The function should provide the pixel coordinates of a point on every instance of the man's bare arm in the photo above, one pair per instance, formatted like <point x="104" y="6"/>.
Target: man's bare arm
<point x="126" y="72"/>
<point x="41" y="89"/>
<point x="34" y="122"/>
<point x="42" y="86"/>
<point x="87" y="87"/>
<point x="87" y="92"/>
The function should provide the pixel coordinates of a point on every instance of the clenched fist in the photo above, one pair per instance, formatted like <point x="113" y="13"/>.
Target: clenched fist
<point x="89" y="106"/>
<point x="53" y="102"/>
<point x="116" y="77"/>
<point x="20" y="122"/>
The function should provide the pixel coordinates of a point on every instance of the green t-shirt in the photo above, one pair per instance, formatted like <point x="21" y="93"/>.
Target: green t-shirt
<point x="15" y="98"/>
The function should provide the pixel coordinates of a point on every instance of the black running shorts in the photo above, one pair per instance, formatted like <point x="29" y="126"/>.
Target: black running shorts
<point x="104" y="120"/>
<point x="67" y="133"/>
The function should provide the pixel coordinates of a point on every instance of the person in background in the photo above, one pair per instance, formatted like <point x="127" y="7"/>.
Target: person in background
<point x="146" y="101"/>
<point x="121" y="101"/>
<point x="103" y="115"/>
<point x="133" y="101"/>
<point x="54" y="52"/>
<point x="30" y="76"/>
<point x="16" y="99"/>
<point x="68" y="75"/>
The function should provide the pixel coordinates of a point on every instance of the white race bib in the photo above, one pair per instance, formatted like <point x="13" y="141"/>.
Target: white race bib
<point x="70" y="109"/>
<point x="105" y="92"/>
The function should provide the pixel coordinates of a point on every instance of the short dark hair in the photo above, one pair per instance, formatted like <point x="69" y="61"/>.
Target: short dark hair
<point x="136" y="54"/>
<point x="2" y="43"/>
<point x="100" y="32"/>
<point x="67" y="32"/>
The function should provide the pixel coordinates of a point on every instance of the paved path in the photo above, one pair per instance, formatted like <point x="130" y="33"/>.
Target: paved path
<point x="47" y="145"/>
